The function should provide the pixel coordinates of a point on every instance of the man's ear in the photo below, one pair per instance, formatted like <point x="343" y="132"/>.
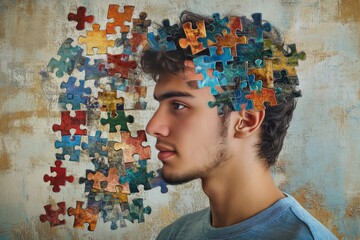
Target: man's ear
<point x="248" y="122"/>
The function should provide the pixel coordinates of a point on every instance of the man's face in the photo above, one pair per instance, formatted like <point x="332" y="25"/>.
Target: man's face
<point x="191" y="137"/>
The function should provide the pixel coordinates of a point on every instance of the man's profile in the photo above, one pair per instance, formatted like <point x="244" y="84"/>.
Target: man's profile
<point x="229" y="147"/>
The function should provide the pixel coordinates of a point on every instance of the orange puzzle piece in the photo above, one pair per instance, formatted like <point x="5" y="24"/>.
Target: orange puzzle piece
<point x="119" y="18"/>
<point x="112" y="181"/>
<point x="265" y="74"/>
<point x="132" y="145"/>
<point x="192" y="36"/>
<point x="262" y="96"/>
<point x="84" y="215"/>
<point x="228" y="40"/>
<point x="96" y="39"/>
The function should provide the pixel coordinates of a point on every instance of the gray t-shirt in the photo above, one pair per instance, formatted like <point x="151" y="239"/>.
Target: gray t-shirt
<point x="285" y="219"/>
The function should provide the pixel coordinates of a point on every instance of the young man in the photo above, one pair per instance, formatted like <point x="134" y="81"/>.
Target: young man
<point x="230" y="148"/>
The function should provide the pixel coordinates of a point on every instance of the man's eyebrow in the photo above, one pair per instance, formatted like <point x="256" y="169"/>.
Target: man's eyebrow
<point x="171" y="94"/>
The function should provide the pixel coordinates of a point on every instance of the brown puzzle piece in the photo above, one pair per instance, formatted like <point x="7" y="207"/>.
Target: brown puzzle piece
<point x="112" y="181"/>
<point x="119" y="18"/>
<point x="84" y="215"/>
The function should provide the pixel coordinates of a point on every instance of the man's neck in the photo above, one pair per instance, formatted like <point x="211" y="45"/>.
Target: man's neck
<point x="238" y="192"/>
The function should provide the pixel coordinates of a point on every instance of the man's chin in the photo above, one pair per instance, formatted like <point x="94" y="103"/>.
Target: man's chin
<point x="173" y="179"/>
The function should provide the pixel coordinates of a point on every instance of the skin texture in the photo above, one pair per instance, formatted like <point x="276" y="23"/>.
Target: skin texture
<point x="194" y="142"/>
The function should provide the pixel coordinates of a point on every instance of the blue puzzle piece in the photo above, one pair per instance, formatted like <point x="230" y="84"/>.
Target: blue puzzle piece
<point x="137" y="211"/>
<point x="115" y="85"/>
<point x="202" y="67"/>
<point x="160" y="43"/>
<point x="235" y="70"/>
<point x="254" y="85"/>
<point x="74" y="94"/>
<point x="223" y="58"/>
<point x="239" y="99"/>
<point x="95" y="144"/>
<point x="254" y="30"/>
<point x="94" y="71"/>
<point x="215" y="28"/>
<point x="68" y="144"/>
<point x="88" y="183"/>
<point x="69" y="57"/>
<point x="223" y="101"/>
<point x="138" y="176"/>
<point x="252" y="53"/>
<point x="158" y="181"/>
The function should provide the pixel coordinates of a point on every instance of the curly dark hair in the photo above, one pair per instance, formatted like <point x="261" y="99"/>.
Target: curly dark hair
<point x="277" y="118"/>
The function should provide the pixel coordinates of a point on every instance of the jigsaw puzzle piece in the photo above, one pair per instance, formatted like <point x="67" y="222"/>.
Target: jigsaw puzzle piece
<point x="95" y="145"/>
<point x="80" y="18"/>
<point x="264" y="73"/>
<point x="60" y="179"/>
<point x="69" y="57"/>
<point x="96" y="39"/>
<point x="109" y="101"/>
<point x="133" y="145"/>
<point x="119" y="18"/>
<point x="254" y="85"/>
<point x="223" y="101"/>
<point x="158" y="181"/>
<point x="119" y="120"/>
<point x="52" y="216"/>
<point x="113" y="213"/>
<point x="231" y="73"/>
<point x="75" y="94"/>
<point x="84" y="215"/>
<point x="120" y="64"/>
<point x="235" y="25"/>
<point x="112" y="180"/>
<point x="192" y="36"/>
<point x="229" y="40"/>
<point x="158" y="43"/>
<point x="222" y="58"/>
<point x="68" y="144"/>
<point x="88" y="183"/>
<point x="216" y="28"/>
<point x="93" y="71"/>
<point x="293" y="56"/>
<point x="255" y="29"/>
<point x="253" y="53"/>
<point x="69" y="122"/>
<point x="137" y="211"/>
<point x="261" y="97"/>
<point x="141" y="24"/>
<point x="240" y="99"/>
<point x="137" y="175"/>
<point x="203" y="67"/>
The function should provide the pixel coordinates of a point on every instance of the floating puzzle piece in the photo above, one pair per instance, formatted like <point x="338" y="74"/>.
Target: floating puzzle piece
<point x="109" y="102"/>
<point x="68" y="144"/>
<point x="80" y="18"/>
<point x="141" y="24"/>
<point x="119" y="18"/>
<point x="52" y="216"/>
<point x="124" y="41"/>
<point x="293" y="56"/>
<point x="118" y="83"/>
<point x="235" y="25"/>
<point x="93" y="71"/>
<point x="259" y="98"/>
<point x="138" y="39"/>
<point x="192" y="36"/>
<point x="255" y="29"/>
<point x="254" y="85"/>
<point x="252" y="53"/>
<point x="120" y="64"/>
<point x="112" y="180"/>
<point x="119" y="120"/>
<point x="60" y="179"/>
<point x="157" y="43"/>
<point x="158" y="181"/>
<point x="133" y="145"/>
<point x="114" y="213"/>
<point x="84" y="215"/>
<point x="96" y="39"/>
<point x="218" y="27"/>
<point x="137" y="175"/>
<point x="223" y="101"/>
<point x="88" y="183"/>
<point x="265" y="74"/>
<point x="240" y="99"/>
<point x="229" y="40"/>
<point x="74" y="94"/>
<point x="170" y="31"/>
<point x="69" y="57"/>
<point x="95" y="145"/>
<point x="203" y="67"/>
<point x="137" y="211"/>
<point x="222" y="58"/>
<point x="68" y="122"/>
<point x="233" y="71"/>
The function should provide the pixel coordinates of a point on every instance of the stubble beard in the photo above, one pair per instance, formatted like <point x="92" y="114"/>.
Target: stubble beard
<point x="219" y="154"/>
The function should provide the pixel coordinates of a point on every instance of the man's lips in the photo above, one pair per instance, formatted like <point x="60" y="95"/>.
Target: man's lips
<point x="164" y="152"/>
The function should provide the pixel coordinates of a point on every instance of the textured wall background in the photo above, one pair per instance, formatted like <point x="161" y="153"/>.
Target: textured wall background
<point x="320" y="163"/>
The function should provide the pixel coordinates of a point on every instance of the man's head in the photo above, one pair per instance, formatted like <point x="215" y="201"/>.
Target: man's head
<point x="192" y="138"/>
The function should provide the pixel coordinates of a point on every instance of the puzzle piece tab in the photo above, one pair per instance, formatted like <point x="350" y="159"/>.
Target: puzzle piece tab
<point x="119" y="120"/>
<point x="80" y="18"/>
<point x="60" y="179"/>
<point x="52" y="216"/>
<point x="84" y="215"/>
<point x="133" y="145"/>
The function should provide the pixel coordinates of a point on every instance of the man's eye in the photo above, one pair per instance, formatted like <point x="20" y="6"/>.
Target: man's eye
<point x="178" y="106"/>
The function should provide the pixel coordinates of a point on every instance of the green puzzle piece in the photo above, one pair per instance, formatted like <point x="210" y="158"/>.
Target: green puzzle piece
<point x="119" y="120"/>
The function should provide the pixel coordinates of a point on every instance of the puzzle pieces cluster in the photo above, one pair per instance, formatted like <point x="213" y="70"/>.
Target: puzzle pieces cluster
<point x="242" y="68"/>
<point x="95" y="121"/>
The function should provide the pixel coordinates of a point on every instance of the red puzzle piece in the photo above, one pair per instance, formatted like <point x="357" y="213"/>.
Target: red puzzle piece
<point x="84" y="215"/>
<point x="132" y="145"/>
<point x="68" y="122"/>
<point x="119" y="18"/>
<point x="121" y="65"/>
<point x="259" y="98"/>
<point x="52" y="216"/>
<point x="60" y="178"/>
<point x="112" y="181"/>
<point x="80" y="18"/>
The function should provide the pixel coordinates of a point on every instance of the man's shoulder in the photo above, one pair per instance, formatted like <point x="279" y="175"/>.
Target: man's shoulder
<point x="185" y="225"/>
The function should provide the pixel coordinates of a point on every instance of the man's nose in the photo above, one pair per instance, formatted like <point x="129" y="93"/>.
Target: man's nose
<point x="158" y="125"/>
